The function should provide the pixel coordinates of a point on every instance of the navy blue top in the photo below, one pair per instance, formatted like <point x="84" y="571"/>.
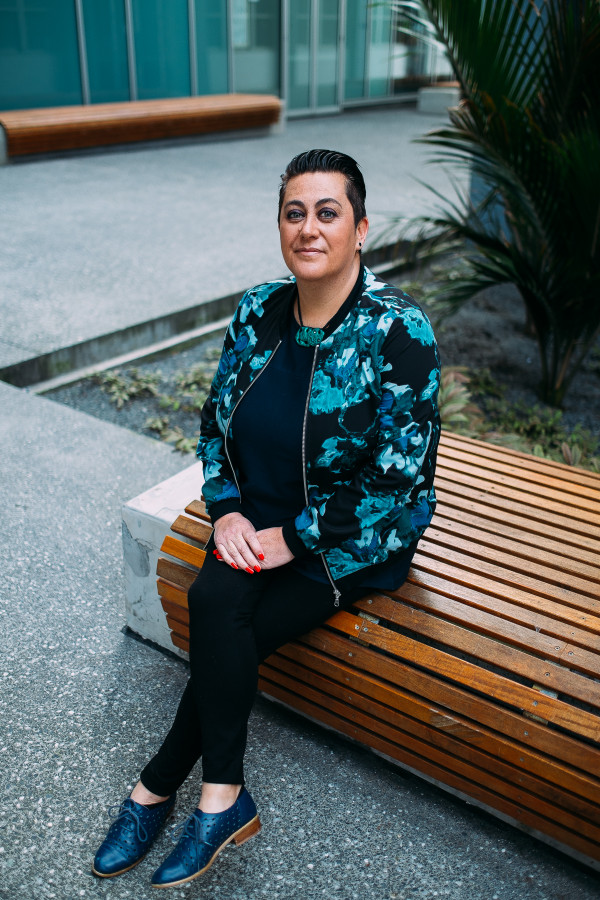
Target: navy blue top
<point x="266" y="437"/>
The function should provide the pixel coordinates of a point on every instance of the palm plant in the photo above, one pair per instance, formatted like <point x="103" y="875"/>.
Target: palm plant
<point x="528" y="129"/>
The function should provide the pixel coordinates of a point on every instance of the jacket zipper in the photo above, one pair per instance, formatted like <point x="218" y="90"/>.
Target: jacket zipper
<point x="233" y="413"/>
<point x="336" y="593"/>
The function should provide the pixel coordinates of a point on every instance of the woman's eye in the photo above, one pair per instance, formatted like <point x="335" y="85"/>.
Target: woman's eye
<point x="293" y="215"/>
<point x="327" y="214"/>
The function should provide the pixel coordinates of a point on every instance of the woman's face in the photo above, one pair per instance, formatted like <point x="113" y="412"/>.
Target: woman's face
<point x="316" y="227"/>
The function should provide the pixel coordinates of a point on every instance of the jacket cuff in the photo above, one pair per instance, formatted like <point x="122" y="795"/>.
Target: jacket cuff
<point x="223" y="507"/>
<point x="290" y="536"/>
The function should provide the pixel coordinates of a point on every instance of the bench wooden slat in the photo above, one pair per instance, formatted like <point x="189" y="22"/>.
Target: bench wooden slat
<point x="497" y="509"/>
<point x="183" y="551"/>
<point x="196" y="531"/>
<point x="198" y="508"/>
<point x="175" y="573"/>
<point x="177" y="613"/>
<point x="461" y="671"/>
<point x="172" y="593"/>
<point x="404" y="718"/>
<point x="572" y="491"/>
<point x="545" y="558"/>
<point x="583" y="759"/>
<point x="432" y="766"/>
<point x="548" y="673"/>
<point x="347" y="683"/>
<point x="584" y="509"/>
<point x="422" y="586"/>
<point x="510" y="632"/>
<point x="467" y="579"/>
<point x="538" y="566"/>
<point x="481" y="450"/>
<point x="487" y="530"/>
<point x="472" y="567"/>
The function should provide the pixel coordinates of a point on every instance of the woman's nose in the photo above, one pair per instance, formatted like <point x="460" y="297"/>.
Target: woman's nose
<point x="310" y="224"/>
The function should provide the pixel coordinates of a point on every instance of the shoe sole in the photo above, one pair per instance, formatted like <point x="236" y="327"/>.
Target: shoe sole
<point x="121" y="871"/>
<point x="239" y="837"/>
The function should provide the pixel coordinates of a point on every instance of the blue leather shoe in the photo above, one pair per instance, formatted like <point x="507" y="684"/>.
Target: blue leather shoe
<point x="130" y="836"/>
<point x="203" y="837"/>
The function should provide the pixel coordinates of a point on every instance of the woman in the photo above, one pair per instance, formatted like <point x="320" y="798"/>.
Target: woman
<point x="318" y="442"/>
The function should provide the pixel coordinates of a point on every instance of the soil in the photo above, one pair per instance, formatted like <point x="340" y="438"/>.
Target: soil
<point x="487" y="334"/>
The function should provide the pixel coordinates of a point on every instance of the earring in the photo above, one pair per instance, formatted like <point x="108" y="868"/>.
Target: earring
<point x="360" y="243"/>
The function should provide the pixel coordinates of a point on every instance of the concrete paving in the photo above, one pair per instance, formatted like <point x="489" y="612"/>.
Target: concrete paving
<point x="82" y="704"/>
<point x="98" y="243"/>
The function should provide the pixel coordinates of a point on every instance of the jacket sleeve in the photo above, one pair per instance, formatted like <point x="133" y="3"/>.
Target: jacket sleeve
<point x="389" y="500"/>
<point x="219" y="490"/>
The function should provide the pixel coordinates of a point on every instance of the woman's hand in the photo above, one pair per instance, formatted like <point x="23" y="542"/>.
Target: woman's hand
<point x="277" y="552"/>
<point x="237" y="542"/>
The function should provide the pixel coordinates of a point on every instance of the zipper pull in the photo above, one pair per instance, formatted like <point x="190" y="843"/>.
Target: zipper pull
<point x="336" y="596"/>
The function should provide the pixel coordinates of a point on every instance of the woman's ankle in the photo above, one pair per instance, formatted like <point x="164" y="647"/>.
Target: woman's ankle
<point x="217" y="798"/>
<point x="144" y="797"/>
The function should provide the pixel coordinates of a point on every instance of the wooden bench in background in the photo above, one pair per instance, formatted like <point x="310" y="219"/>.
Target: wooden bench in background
<point x="481" y="674"/>
<point x="29" y="131"/>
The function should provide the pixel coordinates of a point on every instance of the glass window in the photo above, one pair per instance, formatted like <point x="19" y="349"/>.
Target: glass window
<point x="356" y="37"/>
<point x="162" y="52"/>
<point x="379" y="50"/>
<point x="106" y="49"/>
<point x="39" y="55"/>
<point x="327" y="55"/>
<point x="299" y="76"/>
<point x="256" y="39"/>
<point x="211" y="46"/>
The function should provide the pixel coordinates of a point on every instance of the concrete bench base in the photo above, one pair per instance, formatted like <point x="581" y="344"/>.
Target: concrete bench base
<point x="435" y="100"/>
<point x="147" y="520"/>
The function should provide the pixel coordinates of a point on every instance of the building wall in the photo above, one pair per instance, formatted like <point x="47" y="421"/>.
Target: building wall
<point x="60" y="52"/>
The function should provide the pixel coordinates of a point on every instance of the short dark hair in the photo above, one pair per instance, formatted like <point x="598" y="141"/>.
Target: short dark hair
<point x="329" y="161"/>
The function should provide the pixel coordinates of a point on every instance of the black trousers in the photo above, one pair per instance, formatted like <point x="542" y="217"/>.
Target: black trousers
<point x="236" y="621"/>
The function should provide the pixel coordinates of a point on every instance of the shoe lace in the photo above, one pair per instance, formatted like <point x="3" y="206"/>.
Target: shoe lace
<point x="189" y="827"/>
<point x="128" y="812"/>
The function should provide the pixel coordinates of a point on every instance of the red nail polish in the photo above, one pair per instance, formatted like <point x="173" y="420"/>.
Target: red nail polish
<point x="257" y="568"/>
<point x="249" y="570"/>
<point x="261" y="556"/>
<point x="233" y="566"/>
<point x="219" y="557"/>
<point x="215" y="553"/>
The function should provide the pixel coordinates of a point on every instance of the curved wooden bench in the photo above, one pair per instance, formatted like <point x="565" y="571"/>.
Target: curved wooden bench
<point x="482" y="673"/>
<point x="30" y="131"/>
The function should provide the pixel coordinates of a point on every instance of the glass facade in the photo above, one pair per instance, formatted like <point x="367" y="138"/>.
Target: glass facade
<point x="39" y="54"/>
<point x="256" y="43"/>
<point x="356" y="49"/>
<point x="162" y="48"/>
<point x="319" y="55"/>
<point x="212" y="59"/>
<point x="106" y="50"/>
<point x="299" y="51"/>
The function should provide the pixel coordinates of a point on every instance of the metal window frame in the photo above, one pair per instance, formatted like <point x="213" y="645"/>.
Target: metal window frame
<point x="83" y="60"/>
<point x="131" y="64"/>
<point x="193" y="48"/>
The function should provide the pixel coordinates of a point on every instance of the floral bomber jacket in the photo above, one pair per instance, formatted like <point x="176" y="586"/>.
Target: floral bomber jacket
<point x="371" y="426"/>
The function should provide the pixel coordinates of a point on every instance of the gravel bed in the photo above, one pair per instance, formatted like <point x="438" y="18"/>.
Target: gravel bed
<point x="489" y="333"/>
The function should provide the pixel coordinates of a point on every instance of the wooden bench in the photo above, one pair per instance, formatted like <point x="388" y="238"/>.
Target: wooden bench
<point x="61" y="128"/>
<point x="481" y="674"/>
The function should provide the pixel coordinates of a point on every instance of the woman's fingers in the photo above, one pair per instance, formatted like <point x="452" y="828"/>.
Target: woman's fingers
<point x="236" y="543"/>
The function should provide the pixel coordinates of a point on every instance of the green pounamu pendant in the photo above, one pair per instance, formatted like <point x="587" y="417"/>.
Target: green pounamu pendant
<point x="309" y="337"/>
